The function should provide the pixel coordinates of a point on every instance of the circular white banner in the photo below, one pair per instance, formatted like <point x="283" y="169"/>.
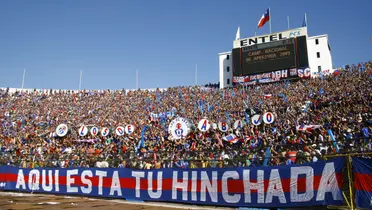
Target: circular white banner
<point x="94" y="131"/>
<point x="256" y="119"/>
<point x="105" y="132"/>
<point x="179" y="128"/>
<point x="223" y="126"/>
<point x="268" y="118"/>
<point x="62" y="130"/>
<point x="238" y="124"/>
<point x="129" y="129"/>
<point x="120" y="131"/>
<point x="204" y="125"/>
<point x="83" y="130"/>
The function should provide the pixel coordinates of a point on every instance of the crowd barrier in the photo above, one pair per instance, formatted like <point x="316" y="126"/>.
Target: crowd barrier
<point x="198" y="159"/>
<point x="67" y="161"/>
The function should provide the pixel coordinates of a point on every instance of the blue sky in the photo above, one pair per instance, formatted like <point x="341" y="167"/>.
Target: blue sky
<point x="163" y="39"/>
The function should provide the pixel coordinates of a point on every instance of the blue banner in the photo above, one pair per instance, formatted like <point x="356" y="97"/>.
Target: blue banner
<point x="362" y="169"/>
<point x="282" y="186"/>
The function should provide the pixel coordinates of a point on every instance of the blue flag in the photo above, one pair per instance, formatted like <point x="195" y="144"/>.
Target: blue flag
<point x="284" y="97"/>
<point x="143" y="136"/>
<point x="267" y="156"/>
<point x="321" y="91"/>
<point x="304" y="22"/>
<point x="321" y="76"/>
<point x="307" y="107"/>
<point x="246" y="117"/>
<point x="158" y="97"/>
<point x="201" y="106"/>
<point x="163" y="121"/>
<point x="227" y="116"/>
<point x="180" y="93"/>
<point x="333" y="139"/>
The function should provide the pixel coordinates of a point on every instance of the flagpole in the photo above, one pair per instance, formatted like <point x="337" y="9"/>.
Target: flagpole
<point x="270" y="18"/>
<point x="137" y="79"/>
<point x="288" y="21"/>
<point x="196" y="74"/>
<point x="23" y="78"/>
<point x="81" y="77"/>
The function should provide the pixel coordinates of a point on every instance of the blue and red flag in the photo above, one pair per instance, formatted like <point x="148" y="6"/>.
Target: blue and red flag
<point x="264" y="19"/>
<point x="362" y="169"/>
<point x="231" y="138"/>
<point x="336" y="73"/>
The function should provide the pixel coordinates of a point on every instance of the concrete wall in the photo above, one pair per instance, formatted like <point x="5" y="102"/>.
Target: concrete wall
<point x="225" y="62"/>
<point x="325" y="58"/>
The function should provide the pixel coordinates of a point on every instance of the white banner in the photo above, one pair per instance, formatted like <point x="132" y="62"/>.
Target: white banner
<point x="179" y="128"/>
<point x="270" y="37"/>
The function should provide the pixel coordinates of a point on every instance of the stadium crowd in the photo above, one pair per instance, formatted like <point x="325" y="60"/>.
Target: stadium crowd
<point x="340" y="102"/>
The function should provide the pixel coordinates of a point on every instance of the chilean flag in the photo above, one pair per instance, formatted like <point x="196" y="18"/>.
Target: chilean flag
<point x="265" y="17"/>
<point x="267" y="96"/>
<point x="231" y="138"/>
<point x="307" y="127"/>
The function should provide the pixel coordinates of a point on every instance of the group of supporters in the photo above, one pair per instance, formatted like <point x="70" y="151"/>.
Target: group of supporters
<point x="314" y="119"/>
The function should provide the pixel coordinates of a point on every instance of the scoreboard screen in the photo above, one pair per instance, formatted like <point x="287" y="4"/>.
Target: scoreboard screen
<point x="260" y="58"/>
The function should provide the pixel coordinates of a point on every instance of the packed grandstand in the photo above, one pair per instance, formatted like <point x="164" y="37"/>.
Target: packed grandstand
<point x="313" y="118"/>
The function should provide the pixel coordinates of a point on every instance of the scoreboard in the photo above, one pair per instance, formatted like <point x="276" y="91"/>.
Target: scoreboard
<point x="260" y="58"/>
<point x="263" y="58"/>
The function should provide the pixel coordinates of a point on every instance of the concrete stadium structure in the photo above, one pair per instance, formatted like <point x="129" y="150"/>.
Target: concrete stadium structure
<point x="318" y="53"/>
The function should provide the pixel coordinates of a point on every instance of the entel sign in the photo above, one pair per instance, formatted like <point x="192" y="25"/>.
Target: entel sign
<point x="270" y="37"/>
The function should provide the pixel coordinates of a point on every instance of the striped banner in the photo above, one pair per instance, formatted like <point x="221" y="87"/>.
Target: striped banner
<point x="311" y="184"/>
<point x="362" y="169"/>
